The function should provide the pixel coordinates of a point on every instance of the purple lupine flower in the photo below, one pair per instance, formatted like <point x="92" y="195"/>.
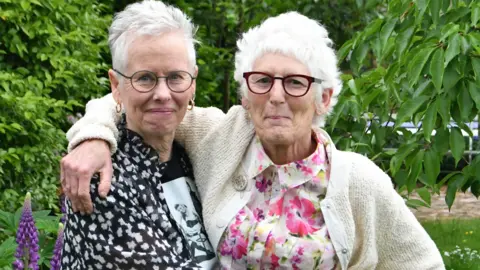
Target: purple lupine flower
<point x="57" y="251"/>
<point x="27" y="239"/>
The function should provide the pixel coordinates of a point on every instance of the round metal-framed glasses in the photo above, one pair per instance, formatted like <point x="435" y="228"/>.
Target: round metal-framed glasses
<point x="295" y="85"/>
<point x="145" y="81"/>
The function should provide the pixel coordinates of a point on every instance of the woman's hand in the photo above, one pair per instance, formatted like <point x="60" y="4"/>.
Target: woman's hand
<point x="77" y="169"/>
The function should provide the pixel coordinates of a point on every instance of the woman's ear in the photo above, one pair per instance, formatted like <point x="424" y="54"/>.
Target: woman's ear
<point x="322" y="108"/>
<point x="194" y="84"/>
<point x="114" y="83"/>
<point x="245" y="103"/>
<point x="326" y="98"/>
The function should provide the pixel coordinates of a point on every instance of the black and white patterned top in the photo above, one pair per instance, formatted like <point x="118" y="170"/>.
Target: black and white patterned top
<point x="150" y="219"/>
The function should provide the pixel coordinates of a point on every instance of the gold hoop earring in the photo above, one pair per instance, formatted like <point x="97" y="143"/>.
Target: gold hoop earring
<point x="118" y="108"/>
<point x="191" y="104"/>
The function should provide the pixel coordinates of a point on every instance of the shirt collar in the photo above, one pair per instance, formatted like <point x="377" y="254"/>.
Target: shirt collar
<point x="256" y="161"/>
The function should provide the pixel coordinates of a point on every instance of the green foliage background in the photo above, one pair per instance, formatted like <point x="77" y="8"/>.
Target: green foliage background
<point x="404" y="61"/>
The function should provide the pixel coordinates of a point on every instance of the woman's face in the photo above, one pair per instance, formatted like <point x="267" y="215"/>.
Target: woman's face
<point x="159" y="111"/>
<point x="280" y="119"/>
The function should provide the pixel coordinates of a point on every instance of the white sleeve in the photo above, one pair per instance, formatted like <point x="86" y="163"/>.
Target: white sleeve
<point x="99" y="122"/>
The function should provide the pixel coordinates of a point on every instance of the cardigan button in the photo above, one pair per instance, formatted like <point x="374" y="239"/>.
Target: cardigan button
<point x="221" y="223"/>
<point x="344" y="251"/>
<point x="240" y="183"/>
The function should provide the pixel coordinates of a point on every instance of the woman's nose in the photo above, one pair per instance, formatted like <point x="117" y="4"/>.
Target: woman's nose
<point x="277" y="93"/>
<point x="161" y="91"/>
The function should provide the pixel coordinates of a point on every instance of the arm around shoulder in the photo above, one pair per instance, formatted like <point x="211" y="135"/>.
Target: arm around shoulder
<point x="196" y="124"/>
<point x="99" y="122"/>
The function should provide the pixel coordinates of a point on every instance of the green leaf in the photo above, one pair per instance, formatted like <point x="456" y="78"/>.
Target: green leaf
<point x="414" y="203"/>
<point x="416" y="169"/>
<point x="344" y="50"/>
<point x="457" y="144"/>
<point x="476" y="67"/>
<point x="451" y="193"/>
<point x="401" y="178"/>
<point x="416" y="65"/>
<point x="408" y="108"/>
<point x="352" y="86"/>
<point x="435" y="11"/>
<point x="429" y="120"/>
<point x="425" y="195"/>
<point x="372" y="28"/>
<point x="443" y="108"/>
<point x="451" y="77"/>
<point x="7" y="251"/>
<point x="437" y="68"/>
<point x="431" y="166"/>
<point x="475" y="15"/>
<point x="448" y="30"/>
<point x="403" y="39"/>
<point x="475" y="188"/>
<point x="465" y="102"/>
<point x="453" y="49"/>
<point x="358" y="55"/>
<point x="399" y="157"/>
<point x="465" y="46"/>
<point x="475" y="93"/>
<point x="359" y="3"/>
<point x="455" y="183"/>
<point x="422" y="7"/>
<point x="386" y="31"/>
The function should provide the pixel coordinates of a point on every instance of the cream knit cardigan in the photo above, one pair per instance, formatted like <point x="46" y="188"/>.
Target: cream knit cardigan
<point x="369" y="223"/>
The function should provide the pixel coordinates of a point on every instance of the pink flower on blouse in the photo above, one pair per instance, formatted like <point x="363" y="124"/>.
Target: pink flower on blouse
<point x="307" y="170"/>
<point x="258" y="214"/>
<point x="296" y="259"/>
<point x="317" y="159"/>
<point x="274" y="259"/>
<point x="263" y="184"/>
<point x="236" y="246"/>
<point x="260" y="155"/>
<point x="276" y="208"/>
<point x="300" y="217"/>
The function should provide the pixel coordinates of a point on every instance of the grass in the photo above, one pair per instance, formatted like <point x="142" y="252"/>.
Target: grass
<point x="458" y="240"/>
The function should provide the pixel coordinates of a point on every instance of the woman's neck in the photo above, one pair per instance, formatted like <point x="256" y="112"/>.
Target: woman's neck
<point x="284" y="154"/>
<point x="162" y="144"/>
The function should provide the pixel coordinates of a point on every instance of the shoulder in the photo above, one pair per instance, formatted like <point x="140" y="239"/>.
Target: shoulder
<point x="213" y="114"/>
<point x="365" y="178"/>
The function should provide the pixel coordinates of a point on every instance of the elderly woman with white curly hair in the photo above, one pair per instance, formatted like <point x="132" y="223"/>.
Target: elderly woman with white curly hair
<point x="275" y="192"/>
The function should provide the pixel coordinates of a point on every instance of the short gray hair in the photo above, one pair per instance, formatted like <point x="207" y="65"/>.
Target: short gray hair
<point x="299" y="36"/>
<point x="147" y="18"/>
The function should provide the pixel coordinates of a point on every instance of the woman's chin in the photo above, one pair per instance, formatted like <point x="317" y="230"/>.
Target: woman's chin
<point x="278" y="136"/>
<point x="156" y="128"/>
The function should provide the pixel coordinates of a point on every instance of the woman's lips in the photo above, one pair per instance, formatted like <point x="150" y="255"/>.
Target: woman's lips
<point x="161" y="111"/>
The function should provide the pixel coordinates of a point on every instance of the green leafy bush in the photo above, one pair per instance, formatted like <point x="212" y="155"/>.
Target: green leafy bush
<point x="419" y="63"/>
<point x="51" y="59"/>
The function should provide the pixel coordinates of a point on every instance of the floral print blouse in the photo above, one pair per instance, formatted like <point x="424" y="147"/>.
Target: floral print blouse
<point x="282" y="226"/>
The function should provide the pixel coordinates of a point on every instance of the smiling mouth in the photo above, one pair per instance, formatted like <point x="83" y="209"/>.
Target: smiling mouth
<point x="276" y="117"/>
<point x="160" y="111"/>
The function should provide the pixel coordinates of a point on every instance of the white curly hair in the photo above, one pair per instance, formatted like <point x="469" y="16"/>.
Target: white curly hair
<point x="295" y="35"/>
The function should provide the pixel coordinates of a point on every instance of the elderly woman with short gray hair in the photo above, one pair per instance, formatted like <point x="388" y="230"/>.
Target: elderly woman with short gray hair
<point x="276" y="193"/>
<point x="138" y="225"/>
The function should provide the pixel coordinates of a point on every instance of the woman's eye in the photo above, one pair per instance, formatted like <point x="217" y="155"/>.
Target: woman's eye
<point x="264" y="80"/>
<point x="145" y="78"/>
<point x="297" y="82"/>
